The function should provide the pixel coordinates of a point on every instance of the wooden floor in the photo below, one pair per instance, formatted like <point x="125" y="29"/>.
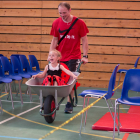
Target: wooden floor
<point x="25" y="122"/>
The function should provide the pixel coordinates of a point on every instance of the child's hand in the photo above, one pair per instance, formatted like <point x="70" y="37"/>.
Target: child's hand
<point x="34" y="76"/>
<point x="75" y="77"/>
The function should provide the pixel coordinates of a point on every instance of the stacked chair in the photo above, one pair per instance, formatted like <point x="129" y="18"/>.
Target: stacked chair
<point x="6" y="81"/>
<point x="16" y="66"/>
<point x="9" y="73"/>
<point x="26" y="68"/>
<point x="16" y="69"/>
<point x="34" y="64"/>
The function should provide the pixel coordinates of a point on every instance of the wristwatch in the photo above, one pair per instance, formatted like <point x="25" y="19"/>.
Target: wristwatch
<point x="86" y="56"/>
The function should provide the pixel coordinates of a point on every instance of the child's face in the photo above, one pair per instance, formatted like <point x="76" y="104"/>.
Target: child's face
<point x="53" y="58"/>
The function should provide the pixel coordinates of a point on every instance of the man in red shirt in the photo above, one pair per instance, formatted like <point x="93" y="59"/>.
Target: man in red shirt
<point x="70" y="45"/>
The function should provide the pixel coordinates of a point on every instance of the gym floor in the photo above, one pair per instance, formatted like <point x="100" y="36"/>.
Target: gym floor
<point x="25" y="122"/>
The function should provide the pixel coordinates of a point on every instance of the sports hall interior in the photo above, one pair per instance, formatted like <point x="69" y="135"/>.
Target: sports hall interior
<point x="113" y="38"/>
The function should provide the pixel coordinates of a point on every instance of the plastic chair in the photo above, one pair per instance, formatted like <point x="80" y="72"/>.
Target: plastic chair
<point x="4" y="80"/>
<point x="5" y="86"/>
<point x="17" y="55"/>
<point x="16" y="66"/>
<point x="25" y="67"/>
<point x="10" y="74"/>
<point x="131" y="82"/>
<point x="34" y="64"/>
<point x="99" y="93"/>
<point x="125" y="70"/>
<point x="8" y="81"/>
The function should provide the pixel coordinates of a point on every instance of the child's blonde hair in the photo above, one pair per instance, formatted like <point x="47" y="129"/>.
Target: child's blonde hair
<point x="58" y="54"/>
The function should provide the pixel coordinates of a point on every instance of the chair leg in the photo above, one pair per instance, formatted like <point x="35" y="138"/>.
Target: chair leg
<point x="1" y="88"/>
<point x="18" y="88"/>
<point x="114" y="111"/>
<point x="1" y="110"/>
<point x="41" y="99"/>
<point x="115" y="120"/>
<point x="11" y="95"/>
<point x="82" y="116"/>
<point x="14" y="86"/>
<point x="86" y="112"/>
<point x="110" y="112"/>
<point x="119" y="119"/>
<point x="6" y="88"/>
<point x="29" y="89"/>
<point x="20" y="92"/>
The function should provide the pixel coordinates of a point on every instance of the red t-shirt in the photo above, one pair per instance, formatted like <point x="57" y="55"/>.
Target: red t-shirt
<point x="70" y="45"/>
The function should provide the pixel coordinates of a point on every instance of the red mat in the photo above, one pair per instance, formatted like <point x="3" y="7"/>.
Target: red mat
<point x="134" y="109"/>
<point x="130" y="122"/>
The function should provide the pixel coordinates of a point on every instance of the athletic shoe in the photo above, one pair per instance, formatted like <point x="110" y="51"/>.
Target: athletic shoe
<point x="69" y="108"/>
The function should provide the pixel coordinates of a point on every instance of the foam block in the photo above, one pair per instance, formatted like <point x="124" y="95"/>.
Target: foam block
<point x="129" y="122"/>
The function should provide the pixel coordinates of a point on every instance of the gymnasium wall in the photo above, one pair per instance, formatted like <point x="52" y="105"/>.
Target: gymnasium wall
<point x="114" y="33"/>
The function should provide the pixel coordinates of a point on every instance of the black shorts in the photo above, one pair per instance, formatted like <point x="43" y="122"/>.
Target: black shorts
<point x="73" y="64"/>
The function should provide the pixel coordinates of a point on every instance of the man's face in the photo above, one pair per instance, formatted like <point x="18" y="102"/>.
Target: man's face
<point x="64" y="12"/>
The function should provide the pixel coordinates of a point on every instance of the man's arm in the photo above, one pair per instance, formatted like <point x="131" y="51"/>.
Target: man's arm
<point x="85" y="48"/>
<point x="54" y="43"/>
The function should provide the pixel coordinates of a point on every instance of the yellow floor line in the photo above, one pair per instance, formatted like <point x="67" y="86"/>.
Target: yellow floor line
<point x="123" y="110"/>
<point x="57" y="127"/>
<point x="3" y="95"/>
<point x="66" y="122"/>
<point x="27" y="119"/>
<point x="139" y="135"/>
<point x="75" y="116"/>
<point x="72" y="118"/>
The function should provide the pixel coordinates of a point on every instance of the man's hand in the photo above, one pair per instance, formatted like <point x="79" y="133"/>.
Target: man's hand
<point x="84" y="60"/>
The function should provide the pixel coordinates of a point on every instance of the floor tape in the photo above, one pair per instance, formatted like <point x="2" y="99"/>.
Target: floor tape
<point x="19" y="138"/>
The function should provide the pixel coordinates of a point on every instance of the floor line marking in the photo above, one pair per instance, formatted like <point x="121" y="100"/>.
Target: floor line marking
<point x="89" y="134"/>
<point x="99" y="106"/>
<point x="125" y="136"/>
<point x="3" y="95"/>
<point x="75" y="116"/>
<point x="19" y="114"/>
<point x="57" y="127"/>
<point x="72" y="118"/>
<point x="15" y="116"/>
<point x="139" y="135"/>
<point x="123" y="109"/>
<point x="17" y="138"/>
<point x="64" y="104"/>
<point x="20" y="102"/>
<point x="64" y="123"/>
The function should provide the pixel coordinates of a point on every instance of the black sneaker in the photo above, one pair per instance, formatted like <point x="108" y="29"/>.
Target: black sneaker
<point x="69" y="108"/>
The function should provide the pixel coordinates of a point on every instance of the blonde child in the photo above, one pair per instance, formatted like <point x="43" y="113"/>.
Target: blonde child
<point x="54" y="69"/>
